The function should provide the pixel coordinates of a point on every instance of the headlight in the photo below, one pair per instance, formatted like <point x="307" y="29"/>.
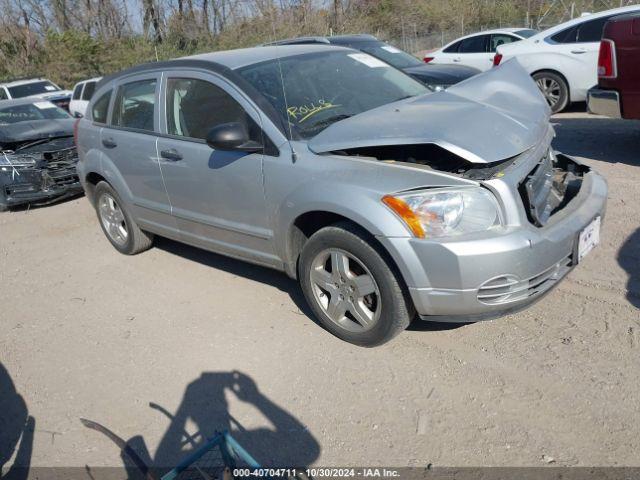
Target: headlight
<point x="446" y="211"/>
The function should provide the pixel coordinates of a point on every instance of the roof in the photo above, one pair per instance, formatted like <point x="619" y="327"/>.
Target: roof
<point x="20" y="101"/>
<point x="23" y="81"/>
<point x="239" y="58"/>
<point x="584" y="18"/>
<point x="94" y="79"/>
<point x="486" y="32"/>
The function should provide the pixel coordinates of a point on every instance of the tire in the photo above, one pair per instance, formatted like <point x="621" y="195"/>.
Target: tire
<point x="119" y="228"/>
<point x="554" y="88"/>
<point x="370" y="319"/>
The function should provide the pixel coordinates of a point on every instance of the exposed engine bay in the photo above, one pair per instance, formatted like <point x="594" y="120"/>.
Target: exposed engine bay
<point x="551" y="185"/>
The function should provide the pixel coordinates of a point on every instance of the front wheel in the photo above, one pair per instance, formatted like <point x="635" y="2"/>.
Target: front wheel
<point x="352" y="288"/>
<point x="554" y="88"/>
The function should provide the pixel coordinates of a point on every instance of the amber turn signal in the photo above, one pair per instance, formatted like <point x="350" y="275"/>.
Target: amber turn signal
<point x="403" y="210"/>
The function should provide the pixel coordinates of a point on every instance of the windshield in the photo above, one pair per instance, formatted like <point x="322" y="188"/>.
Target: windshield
<point x="325" y="87"/>
<point x="34" y="88"/>
<point x="392" y="55"/>
<point x="527" y="33"/>
<point x="31" y="111"/>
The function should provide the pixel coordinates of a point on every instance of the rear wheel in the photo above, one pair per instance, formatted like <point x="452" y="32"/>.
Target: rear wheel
<point x="554" y="88"/>
<point x="352" y="288"/>
<point x="117" y="224"/>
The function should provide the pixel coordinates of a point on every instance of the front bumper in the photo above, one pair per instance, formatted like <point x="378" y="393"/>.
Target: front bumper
<point x="36" y="186"/>
<point x="604" y="102"/>
<point x="453" y="281"/>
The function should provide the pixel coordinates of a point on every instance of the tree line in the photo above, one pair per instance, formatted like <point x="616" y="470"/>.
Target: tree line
<point x="70" y="40"/>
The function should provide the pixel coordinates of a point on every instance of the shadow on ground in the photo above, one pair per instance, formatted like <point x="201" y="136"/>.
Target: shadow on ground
<point x="240" y="268"/>
<point x="203" y="412"/>
<point x="583" y="137"/>
<point x="629" y="260"/>
<point x="16" y="430"/>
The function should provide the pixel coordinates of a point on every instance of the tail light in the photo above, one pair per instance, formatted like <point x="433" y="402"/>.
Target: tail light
<point x="76" y="124"/>
<point x="428" y="59"/>
<point x="607" y="67"/>
<point x="497" y="59"/>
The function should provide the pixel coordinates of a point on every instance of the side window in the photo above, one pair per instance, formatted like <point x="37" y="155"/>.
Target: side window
<point x="3" y="94"/>
<point x="452" y="48"/>
<point x="195" y="106"/>
<point x="475" y="44"/>
<point x="77" y="91"/>
<point x="101" y="108"/>
<point x="89" y="88"/>
<point x="591" y="31"/>
<point x="566" y="36"/>
<point x="134" y="105"/>
<point x="500" y="39"/>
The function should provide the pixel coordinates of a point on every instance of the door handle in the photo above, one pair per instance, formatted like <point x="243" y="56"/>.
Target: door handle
<point x="171" y="154"/>
<point x="578" y="52"/>
<point x="456" y="59"/>
<point x="109" y="143"/>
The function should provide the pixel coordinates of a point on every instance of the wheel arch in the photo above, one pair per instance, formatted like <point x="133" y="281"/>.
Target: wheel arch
<point x="91" y="181"/>
<point x="308" y="223"/>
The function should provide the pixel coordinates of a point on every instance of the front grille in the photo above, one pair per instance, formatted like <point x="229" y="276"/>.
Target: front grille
<point x="508" y="288"/>
<point x="61" y="166"/>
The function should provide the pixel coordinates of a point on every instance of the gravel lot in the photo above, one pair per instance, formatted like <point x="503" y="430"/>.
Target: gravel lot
<point x="87" y="332"/>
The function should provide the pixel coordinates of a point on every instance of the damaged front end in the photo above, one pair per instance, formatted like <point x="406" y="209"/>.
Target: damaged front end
<point x="38" y="172"/>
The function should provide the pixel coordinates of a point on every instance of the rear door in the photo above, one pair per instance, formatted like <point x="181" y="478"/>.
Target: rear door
<point x="129" y="143"/>
<point x="472" y="51"/>
<point x="217" y="197"/>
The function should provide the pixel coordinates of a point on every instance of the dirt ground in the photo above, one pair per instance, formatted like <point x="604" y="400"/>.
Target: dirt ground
<point x="179" y="340"/>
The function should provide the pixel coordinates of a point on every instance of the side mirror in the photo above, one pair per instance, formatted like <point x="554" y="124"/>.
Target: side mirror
<point x="77" y="115"/>
<point x="232" y="137"/>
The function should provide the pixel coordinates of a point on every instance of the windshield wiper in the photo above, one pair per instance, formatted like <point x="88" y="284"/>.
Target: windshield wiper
<point x="327" y="121"/>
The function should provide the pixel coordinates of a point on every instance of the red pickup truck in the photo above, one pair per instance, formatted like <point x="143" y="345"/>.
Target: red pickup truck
<point x="618" y="91"/>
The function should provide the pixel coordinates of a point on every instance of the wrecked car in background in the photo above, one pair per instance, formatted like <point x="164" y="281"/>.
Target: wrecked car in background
<point x="384" y="199"/>
<point x="38" y="156"/>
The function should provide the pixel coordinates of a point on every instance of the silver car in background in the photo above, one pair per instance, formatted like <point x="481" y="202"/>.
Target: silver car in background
<point x="384" y="200"/>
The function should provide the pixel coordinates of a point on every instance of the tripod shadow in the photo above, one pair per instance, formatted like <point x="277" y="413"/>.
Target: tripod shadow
<point x="204" y="408"/>
<point x="16" y="430"/>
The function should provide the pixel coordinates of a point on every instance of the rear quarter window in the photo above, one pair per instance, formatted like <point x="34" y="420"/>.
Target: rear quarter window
<point x="452" y="48"/>
<point x="101" y="108"/>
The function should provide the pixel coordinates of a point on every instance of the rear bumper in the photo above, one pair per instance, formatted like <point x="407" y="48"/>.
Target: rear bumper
<point x="604" y="102"/>
<point x="456" y="281"/>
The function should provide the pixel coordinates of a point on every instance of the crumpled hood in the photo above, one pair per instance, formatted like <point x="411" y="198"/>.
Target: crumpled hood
<point x="441" y="74"/>
<point x="35" y="130"/>
<point x="488" y="118"/>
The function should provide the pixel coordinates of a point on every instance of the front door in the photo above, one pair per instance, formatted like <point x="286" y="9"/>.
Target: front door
<point x="217" y="197"/>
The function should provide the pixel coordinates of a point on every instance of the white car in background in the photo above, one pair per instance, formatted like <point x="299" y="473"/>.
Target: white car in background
<point x="563" y="60"/>
<point x="35" y="88"/>
<point x="82" y="93"/>
<point x="477" y="50"/>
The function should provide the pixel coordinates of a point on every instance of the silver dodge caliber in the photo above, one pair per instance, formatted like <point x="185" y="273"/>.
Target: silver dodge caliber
<point x="385" y="200"/>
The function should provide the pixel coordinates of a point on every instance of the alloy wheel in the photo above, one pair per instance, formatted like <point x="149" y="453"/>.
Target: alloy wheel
<point x="345" y="290"/>
<point x="551" y="90"/>
<point x="113" y="219"/>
